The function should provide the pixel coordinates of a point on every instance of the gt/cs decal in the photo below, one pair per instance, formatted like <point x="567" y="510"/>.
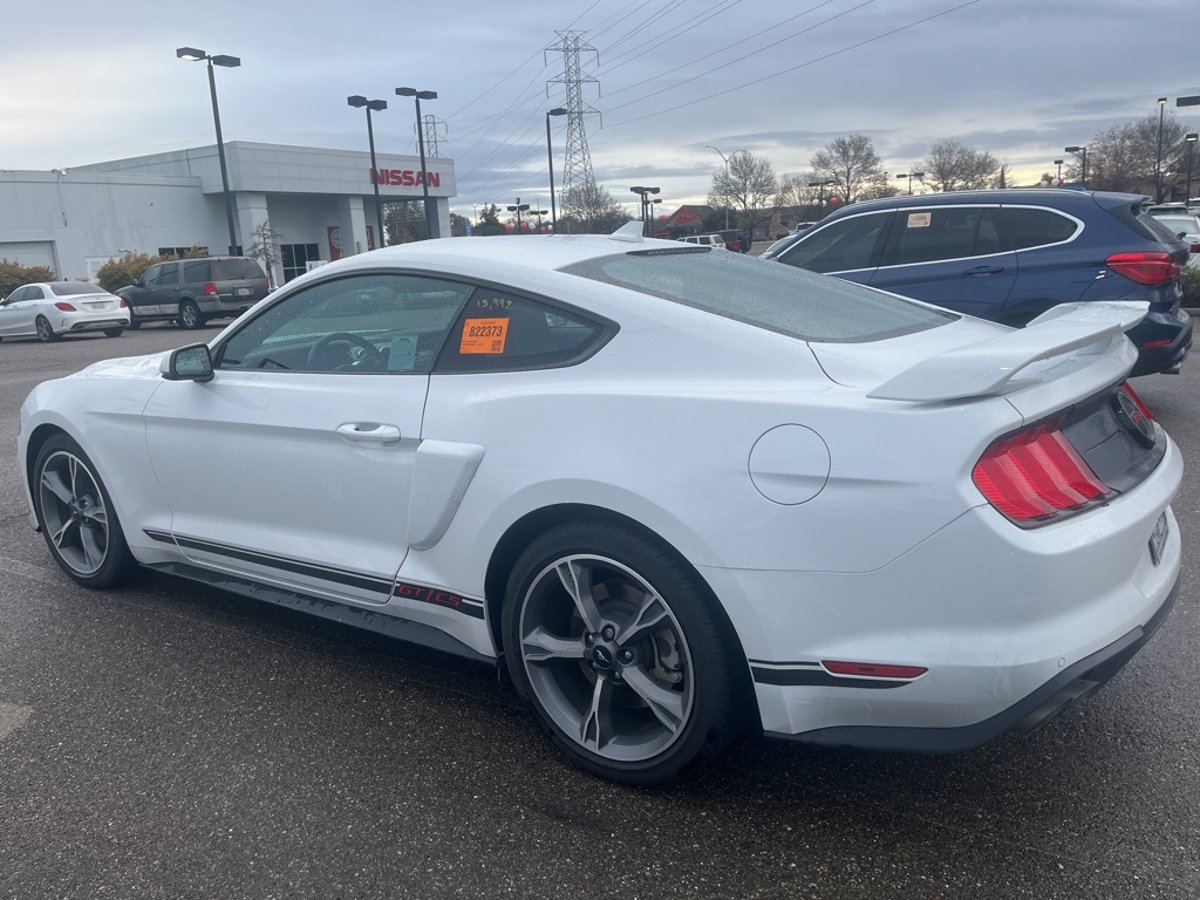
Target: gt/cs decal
<point x="468" y="605"/>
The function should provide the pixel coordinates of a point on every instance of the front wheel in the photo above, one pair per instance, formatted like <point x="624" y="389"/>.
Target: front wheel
<point x="45" y="331"/>
<point x="114" y="332"/>
<point x="189" y="315"/>
<point x="76" y="516"/>
<point x="618" y="650"/>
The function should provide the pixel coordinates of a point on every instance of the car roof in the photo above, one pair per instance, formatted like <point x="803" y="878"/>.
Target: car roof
<point x="1056" y="197"/>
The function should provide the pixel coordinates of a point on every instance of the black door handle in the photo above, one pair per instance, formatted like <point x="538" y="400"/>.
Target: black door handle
<point x="985" y="270"/>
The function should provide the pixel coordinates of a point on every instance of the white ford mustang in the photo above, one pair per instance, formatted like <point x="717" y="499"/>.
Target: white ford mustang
<point x="679" y="493"/>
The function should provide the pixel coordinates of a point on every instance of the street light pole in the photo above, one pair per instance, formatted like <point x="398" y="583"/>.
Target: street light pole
<point x="1082" y="151"/>
<point x="725" y="160"/>
<point x="431" y="225"/>
<point x="557" y="111"/>
<point x="229" y="62"/>
<point x="518" y="209"/>
<point x="1059" y="162"/>
<point x="359" y="101"/>
<point x="1158" y="187"/>
<point x="642" y="192"/>
<point x="1190" y="140"/>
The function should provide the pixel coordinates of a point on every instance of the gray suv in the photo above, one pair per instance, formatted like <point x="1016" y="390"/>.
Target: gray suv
<point x="192" y="291"/>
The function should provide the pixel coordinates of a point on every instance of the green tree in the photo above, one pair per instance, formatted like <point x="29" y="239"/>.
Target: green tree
<point x="489" y="221"/>
<point x="13" y="275"/>
<point x="122" y="271"/>
<point x="851" y="163"/>
<point x="1122" y="158"/>
<point x="458" y="225"/>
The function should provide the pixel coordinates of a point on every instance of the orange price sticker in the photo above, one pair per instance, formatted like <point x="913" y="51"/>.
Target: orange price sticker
<point x="483" y="336"/>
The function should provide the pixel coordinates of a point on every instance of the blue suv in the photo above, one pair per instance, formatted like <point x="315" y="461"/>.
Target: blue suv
<point x="1010" y="255"/>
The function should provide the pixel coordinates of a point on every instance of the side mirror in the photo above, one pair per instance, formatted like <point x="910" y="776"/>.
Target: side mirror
<point x="191" y="363"/>
<point x="1182" y="235"/>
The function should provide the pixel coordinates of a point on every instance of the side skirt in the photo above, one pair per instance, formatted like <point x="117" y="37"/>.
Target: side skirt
<point x="346" y="614"/>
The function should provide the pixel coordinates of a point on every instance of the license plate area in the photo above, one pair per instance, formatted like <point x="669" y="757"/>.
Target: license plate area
<point x="243" y="292"/>
<point x="1158" y="540"/>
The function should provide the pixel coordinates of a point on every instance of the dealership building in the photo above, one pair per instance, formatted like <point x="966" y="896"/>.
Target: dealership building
<point x="318" y="204"/>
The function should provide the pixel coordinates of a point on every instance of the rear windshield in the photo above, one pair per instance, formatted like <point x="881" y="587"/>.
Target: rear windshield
<point x="75" y="288"/>
<point x="229" y="269"/>
<point x="761" y="292"/>
<point x="1176" y="224"/>
<point x="1144" y="223"/>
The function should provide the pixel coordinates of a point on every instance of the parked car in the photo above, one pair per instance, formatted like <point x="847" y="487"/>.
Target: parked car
<point x="192" y="291"/>
<point x="1010" y="256"/>
<point x="735" y="240"/>
<point x="677" y="493"/>
<point x="1186" y="227"/>
<point x="50" y="309"/>
<point x="782" y="244"/>
<point x="705" y="240"/>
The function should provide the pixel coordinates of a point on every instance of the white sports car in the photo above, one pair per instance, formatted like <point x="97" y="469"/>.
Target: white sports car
<point x="54" y="308"/>
<point x="676" y="493"/>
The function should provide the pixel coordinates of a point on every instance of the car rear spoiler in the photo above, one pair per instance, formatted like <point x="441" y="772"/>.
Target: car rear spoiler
<point x="989" y="367"/>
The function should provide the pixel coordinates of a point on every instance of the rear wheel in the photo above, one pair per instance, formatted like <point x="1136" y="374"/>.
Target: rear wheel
<point x="189" y="315"/>
<point x="114" y="332"/>
<point x="616" y="647"/>
<point x="45" y="332"/>
<point x="76" y="516"/>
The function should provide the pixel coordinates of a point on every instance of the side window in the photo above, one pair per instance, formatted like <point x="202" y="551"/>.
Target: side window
<point x="948" y="232"/>
<point x="19" y="294"/>
<point x="848" y="244"/>
<point x="1035" y="227"/>
<point x="500" y="331"/>
<point x="195" y="272"/>
<point x="151" y="275"/>
<point x="35" y="293"/>
<point x="360" y="323"/>
<point x="170" y="274"/>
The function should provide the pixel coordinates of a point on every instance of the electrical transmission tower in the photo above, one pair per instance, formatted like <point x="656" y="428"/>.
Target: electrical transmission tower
<point x="577" y="165"/>
<point x="435" y="133"/>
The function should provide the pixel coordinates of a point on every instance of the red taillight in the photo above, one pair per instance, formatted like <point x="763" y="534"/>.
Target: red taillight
<point x="64" y="306"/>
<point x="1154" y="345"/>
<point x="874" y="670"/>
<point x="1195" y="248"/>
<point x="124" y="304"/>
<point x="210" y="288"/>
<point x="1037" y="475"/>
<point x="1145" y="266"/>
<point x="1137" y="401"/>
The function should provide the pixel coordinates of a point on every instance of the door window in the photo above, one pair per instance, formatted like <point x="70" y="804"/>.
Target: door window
<point x="21" y="293"/>
<point x="35" y="293"/>
<point x="361" y="323"/>
<point x="156" y="275"/>
<point x="503" y="331"/>
<point x="195" y="272"/>
<point x="841" y="246"/>
<point x="948" y="232"/>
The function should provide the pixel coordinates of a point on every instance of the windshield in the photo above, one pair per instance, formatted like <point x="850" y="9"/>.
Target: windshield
<point x="1177" y="224"/>
<point x="767" y="294"/>
<point x="233" y="269"/>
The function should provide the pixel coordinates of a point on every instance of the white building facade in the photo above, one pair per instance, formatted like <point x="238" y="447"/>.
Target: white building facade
<point x="319" y="204"/>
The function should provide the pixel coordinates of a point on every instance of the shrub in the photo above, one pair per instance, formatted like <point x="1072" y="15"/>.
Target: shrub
<point x="1190" y="281"/>
<point x="125" y="270"/>
<point x="13" y="275"/>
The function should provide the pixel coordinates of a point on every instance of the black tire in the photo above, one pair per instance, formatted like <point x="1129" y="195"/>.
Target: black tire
<point x="114" y="332"/>
<point x="189" y="315"/>
<point x="684" y="655"/>
<point x="111" y="564"/>
<point x="134" y="322"/>
<point x="45" y="332"/>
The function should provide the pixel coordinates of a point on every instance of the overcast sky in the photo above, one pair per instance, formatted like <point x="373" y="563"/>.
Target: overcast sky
<point x="82" y="83"/>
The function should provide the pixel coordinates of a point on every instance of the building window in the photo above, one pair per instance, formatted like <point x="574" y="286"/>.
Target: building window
<point x="296" y="258"/>
<point x="181" y="252"/>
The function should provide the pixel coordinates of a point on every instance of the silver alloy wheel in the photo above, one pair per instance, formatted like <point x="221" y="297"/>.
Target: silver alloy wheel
<point x="44" y="331"/>
<point x="606" y="658"/>
<point x="189" y="316"/>
<point x="73" y="512"/>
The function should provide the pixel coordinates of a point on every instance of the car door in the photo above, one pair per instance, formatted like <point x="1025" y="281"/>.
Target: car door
<point x="1054" y="267"/>
<point x="952" y="255"/>
<point x="294" y="464"/>
<point x="16" y="316"/>
<point x="847" y="247"/>
<point x="142" y="295"/>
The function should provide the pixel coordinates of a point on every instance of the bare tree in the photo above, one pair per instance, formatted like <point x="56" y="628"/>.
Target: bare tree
<point x="952" y="166"/>
<point x="1122" y="158"/>
<point x="264" y="247"/>
<point x="590" y="208"/>
<point x="851" y="163"/>
<point x="748" y="184"/>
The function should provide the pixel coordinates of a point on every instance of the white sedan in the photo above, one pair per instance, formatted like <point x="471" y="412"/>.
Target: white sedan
<point x="53" y="308"/>
<point x="676" y="493"/>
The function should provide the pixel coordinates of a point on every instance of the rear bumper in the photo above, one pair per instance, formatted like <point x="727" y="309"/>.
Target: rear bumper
<point x="211" y="306"/>
<point x="91" y="321"/>
<point x="1173" y="327"/>
<point x="1056" y="696"/>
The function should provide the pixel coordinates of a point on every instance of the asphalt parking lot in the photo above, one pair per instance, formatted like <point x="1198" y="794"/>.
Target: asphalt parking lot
<point x="171" y="740"/>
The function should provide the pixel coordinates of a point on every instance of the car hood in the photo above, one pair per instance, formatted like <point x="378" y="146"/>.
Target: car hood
<point x="125" y="367"/>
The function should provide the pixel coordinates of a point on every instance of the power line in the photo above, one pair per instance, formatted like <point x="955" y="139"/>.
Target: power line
<point x="650" y="20"/>
<point x="745" y="56"/>
<point x="613" y="19"/>
<point x="802" y="65"/>
<point x="666" y="37"/>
